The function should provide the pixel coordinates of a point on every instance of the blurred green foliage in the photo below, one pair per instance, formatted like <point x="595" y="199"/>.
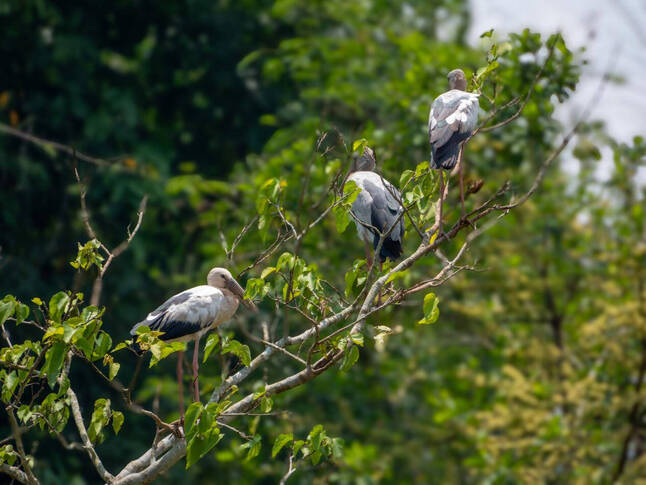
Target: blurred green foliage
<point x="532" y="372"/>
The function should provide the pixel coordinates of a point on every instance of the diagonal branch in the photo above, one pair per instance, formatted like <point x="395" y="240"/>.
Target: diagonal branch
<point x="87" y="444"/>
<point x="14" y="472"/>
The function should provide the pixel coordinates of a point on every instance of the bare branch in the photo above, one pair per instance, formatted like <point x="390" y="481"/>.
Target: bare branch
<point x="85" y="215"/>
<point x="48" y="144"/>
<point x="290" y="470"/>
<point x="5" y="335"/>
<point x="16" y="433"/>
<point x="239" y="237"/>
<point x="273" y="345"/>
<point x="14" y="472"/>
<point x="87" y="444"/>
<point x="97" y="288"/>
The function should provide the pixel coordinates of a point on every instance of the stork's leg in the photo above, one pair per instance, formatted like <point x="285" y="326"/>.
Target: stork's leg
<point x="368" y="255"/>
<point x="381" y="270"/>
<point x="180" y="381"/>
<point x="196" y="385"/>
<point x="461" y="184"/>
<point x="439" y="222"/>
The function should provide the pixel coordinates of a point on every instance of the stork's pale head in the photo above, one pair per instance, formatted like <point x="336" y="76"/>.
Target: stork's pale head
<point x="366" y="162"/>
<point x="457" y="80"/>
<point x="221" y="278"/>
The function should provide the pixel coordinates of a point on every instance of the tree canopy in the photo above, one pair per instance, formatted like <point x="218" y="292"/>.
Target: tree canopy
<point x="144" y="143"/>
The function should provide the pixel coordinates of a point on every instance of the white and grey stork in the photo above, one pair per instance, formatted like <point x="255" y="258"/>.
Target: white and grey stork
<point x="453" y="117"/>
<point x="192" y="313"/>
<point x="376" y="209"/>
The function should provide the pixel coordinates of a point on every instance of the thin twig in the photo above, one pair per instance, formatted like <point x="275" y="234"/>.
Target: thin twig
<point x="290" y="470"/>
<point x="56" y="146"/>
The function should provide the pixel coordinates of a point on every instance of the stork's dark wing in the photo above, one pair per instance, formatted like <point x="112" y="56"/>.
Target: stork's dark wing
<point x="452" y="112"/>
<point x="385" y="211"/>
<point x="185" y="313"/>
<point x="385" y="208"/>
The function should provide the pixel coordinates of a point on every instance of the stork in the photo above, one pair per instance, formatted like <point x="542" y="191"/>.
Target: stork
<point x="192" y="313"/>
<point x="453" y="117"/>
<point x="376" y="209"/>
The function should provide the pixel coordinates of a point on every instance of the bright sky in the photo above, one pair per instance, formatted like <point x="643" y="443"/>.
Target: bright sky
<point x="614" y="32"/>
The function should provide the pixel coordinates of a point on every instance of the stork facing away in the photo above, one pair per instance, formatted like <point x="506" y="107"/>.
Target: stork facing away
<point x="377" y="209"/>
<point x="453" y="117"/>
<point x="192" y="313"/>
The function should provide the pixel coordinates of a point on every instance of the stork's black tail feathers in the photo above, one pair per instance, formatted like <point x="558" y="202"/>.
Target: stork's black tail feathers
<point x="390" y="249"/>
<point x="446" y="156"/>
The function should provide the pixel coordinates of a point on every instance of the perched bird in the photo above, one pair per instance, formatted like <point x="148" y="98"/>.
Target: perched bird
<point x="192" y="313"/>
<point x="376" y="209"/>
<point x="453" y="117"/>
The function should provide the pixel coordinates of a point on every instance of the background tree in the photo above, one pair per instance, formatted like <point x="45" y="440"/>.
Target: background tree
<point x="535" y="370"/>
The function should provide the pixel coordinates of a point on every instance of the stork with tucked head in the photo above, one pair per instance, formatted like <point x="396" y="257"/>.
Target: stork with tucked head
<point x="376" y="209"/>
<point x="453" y="117"/>
<point x="192" y="313"/>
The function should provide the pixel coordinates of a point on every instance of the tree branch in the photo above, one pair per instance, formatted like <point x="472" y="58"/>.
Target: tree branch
<point x="14" y="472"/>
<point x="87" y="444"/>
<point x="48" y="144"/>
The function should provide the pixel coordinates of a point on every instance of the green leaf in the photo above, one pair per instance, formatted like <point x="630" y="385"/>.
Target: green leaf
<point x="37" y="301"/>
<point x="357" y="338"/>
<point x="7" y="455"/>
<point x="9" y="385"/>
<point x="6" y="310"/>
<point x="102" y="344"/>
<point x="57" y="305"/>
<point x="336" y="448"/>
<point x="114" y="369"/>
<point x="201" y="444"/>
<point x="488" y="33"/>
<point x="90" y="313"/>
<point x="280" y="442"/>
<point x="69" y="332"/>
<point x="405" y="177"/>
<point x="298" y="444"/>
<point x="160" y="350"/>
<point x="350" y="358"/>
<point x="100" y="418"/>
<point x="341" y="217"/>
<point x="240" y="350"/>
<point x="316" y="436"/>
<point x="316" y="457"/>
<point x="266" y="272"/>
<point x="431" y="309"/>
<point x="24" y="413"/>
<point x="192" y="413"/>
<point x="350" y="192"/>
<point x="359" y="145"/>
<point x="484" y="71"/>
<point x="266" y="403"/>
<point x="211" y="341"/>
<point x="121" y="345"/>
<point x="54" y="358"/>
<point x="421" y="168"/>
<point x="88" y="255"/>
<point x="254" y="447"/>
<point x="285" y="260"/>
<point x="256" y="288"/>
<point x="117" y="421"/>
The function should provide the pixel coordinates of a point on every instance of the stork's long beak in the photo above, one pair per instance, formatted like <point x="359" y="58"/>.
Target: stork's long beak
<point x="238" y="291"/>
